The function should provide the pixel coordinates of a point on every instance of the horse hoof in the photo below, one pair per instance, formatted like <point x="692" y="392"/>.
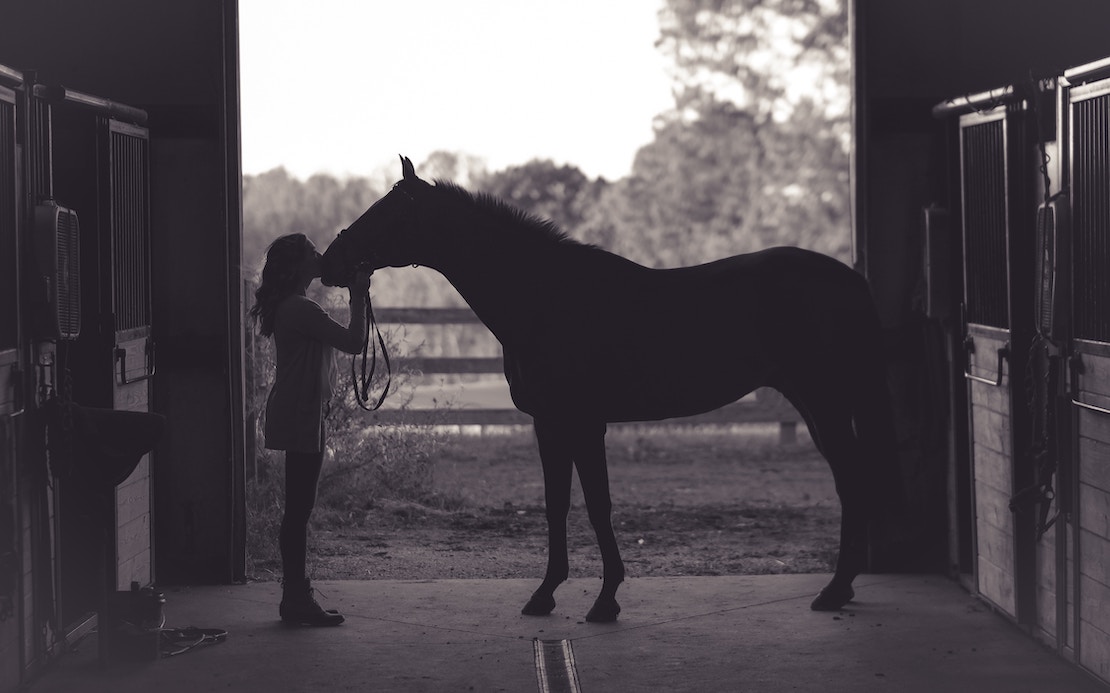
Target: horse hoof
<point x="539" y="605"/>
<point x="604" y="611"/>
<point x="832" y="598"/>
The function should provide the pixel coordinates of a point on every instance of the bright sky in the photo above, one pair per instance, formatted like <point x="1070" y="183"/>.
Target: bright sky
<point x="344" y="86"/>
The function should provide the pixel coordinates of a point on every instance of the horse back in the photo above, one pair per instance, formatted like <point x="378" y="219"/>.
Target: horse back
<point x="637" y="344"/>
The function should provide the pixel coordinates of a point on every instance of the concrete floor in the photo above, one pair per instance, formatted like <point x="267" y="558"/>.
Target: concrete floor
<point x="905" y="633"/>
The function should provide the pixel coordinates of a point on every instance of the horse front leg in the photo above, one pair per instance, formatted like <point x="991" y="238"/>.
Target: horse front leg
<point x="557" y="465"/>
<point x="589" y="458"/>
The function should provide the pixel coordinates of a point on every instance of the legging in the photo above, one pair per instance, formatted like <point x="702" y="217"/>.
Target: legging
<point x="302" y="472"/>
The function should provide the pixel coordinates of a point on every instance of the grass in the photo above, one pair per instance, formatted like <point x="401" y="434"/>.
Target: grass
<point x="407" y="503"/>
<point x="362" y="467"/>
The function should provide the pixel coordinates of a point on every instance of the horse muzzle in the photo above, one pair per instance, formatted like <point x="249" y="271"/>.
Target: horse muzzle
<point x="330" y="275"/>
<point x="341" y="274"/>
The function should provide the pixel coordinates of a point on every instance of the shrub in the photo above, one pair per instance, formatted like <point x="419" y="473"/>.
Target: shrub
<point x="363" y="463"/>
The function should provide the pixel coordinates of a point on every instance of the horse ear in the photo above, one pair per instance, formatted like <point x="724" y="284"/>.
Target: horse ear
<point x="408" y="171"/>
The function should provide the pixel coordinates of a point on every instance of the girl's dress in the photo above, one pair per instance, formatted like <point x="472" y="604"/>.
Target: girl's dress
<point x="305" y="337"/>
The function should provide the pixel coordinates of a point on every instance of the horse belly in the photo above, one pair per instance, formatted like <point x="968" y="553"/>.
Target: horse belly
<point x="678" y="386"/>
<point x="674" y="402"/>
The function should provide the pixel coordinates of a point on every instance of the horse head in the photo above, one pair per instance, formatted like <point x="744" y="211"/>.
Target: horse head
<point x="384" y="236"/>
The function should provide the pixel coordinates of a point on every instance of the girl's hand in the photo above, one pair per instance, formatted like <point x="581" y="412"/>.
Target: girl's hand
<point x="360" y="284"/>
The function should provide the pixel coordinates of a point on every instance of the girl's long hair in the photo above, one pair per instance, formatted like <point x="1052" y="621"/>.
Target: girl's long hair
<point x="279" y="279"/>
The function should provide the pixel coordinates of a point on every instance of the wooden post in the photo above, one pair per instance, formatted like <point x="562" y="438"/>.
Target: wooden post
<point x="788" y="432"/>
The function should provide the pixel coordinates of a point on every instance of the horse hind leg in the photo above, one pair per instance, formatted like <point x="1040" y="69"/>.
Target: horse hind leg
<point x="832" y="431"/>
<point x="593" y="474"/>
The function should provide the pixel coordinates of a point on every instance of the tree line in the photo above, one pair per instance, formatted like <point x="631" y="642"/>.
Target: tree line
<point x="753" y="154"/>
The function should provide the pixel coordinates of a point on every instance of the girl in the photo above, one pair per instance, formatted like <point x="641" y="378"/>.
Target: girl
<point x="304" y="336"/>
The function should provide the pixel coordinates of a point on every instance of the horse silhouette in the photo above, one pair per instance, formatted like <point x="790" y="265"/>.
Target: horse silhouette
<point x="591" y="338"/>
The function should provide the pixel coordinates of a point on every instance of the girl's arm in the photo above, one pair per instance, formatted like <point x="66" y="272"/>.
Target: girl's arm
<point x="315" y="321"/>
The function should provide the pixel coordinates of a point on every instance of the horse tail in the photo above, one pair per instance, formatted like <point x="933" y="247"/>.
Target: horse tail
<point x="873" y="417"/>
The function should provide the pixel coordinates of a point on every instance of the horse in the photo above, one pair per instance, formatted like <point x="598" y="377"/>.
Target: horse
<point x="591" y="338"/>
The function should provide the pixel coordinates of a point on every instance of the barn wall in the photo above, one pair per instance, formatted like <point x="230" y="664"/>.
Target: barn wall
<point x="179" y="516"/>
<point x="179" y="62"/>
<point x="908" y="57"/>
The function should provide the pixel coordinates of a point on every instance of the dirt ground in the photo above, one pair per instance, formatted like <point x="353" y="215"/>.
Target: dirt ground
<point x="684" y="503"/>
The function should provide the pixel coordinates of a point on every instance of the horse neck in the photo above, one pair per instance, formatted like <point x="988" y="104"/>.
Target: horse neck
<point x="497" y="282"/>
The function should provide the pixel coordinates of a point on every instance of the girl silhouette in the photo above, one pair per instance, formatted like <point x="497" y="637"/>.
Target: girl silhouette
<point x="304" y="337"/>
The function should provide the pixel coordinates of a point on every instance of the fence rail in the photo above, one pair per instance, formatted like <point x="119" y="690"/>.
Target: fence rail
<point x="767" y="406"/>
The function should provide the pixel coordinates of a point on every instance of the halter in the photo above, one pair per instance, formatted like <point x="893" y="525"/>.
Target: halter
<point x="361" y="380"/>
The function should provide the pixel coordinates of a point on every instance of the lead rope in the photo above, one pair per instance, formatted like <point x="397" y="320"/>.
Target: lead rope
<point x="360" y="382"/>
<point x="1042" y="373"/>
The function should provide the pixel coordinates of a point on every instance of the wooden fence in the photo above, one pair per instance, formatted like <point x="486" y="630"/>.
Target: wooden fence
<point x="766" y="406"/>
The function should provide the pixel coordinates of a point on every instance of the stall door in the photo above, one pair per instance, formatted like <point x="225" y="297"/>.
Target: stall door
<point x="1089" y="115"/>
<point x="997" y="244"/>
<point x="125" y="223"/>
<point x="100" y="172"/>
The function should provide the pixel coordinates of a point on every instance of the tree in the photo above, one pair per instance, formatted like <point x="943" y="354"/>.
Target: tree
<point x="457" y="167"/>
<point x="276" y="204"/>
<point x="754" y="52"/>
<point x="743" y="161"/>
<point x="562" y="194"/>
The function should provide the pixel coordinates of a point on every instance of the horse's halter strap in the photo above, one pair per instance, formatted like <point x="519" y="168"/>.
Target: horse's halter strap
<point x="361" y="379"/>
<point x="360" y="382"/>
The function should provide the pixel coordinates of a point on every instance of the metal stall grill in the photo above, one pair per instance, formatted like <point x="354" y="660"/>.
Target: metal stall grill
<point x="128" y="156"/>
<point x="1091" y="208"/>
<point x="41" y="147"/>
<point x="67" y="277"/>
<point x="984" y="192"/>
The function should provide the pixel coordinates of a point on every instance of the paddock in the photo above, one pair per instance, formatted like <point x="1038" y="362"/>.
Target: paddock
<point x="980" y="146"/>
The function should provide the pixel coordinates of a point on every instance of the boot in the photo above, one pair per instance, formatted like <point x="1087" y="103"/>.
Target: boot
<point x="299" y="607"/>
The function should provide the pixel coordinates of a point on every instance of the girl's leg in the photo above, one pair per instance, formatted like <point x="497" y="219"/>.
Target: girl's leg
<point x="302" y="473"/>
<point x="298" y="606"/>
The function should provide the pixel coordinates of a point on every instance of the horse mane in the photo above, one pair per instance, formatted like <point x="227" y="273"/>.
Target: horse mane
<point x="507" y="220"/>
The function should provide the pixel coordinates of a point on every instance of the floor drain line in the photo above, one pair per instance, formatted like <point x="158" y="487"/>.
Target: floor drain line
<point x="555" y="669"/>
